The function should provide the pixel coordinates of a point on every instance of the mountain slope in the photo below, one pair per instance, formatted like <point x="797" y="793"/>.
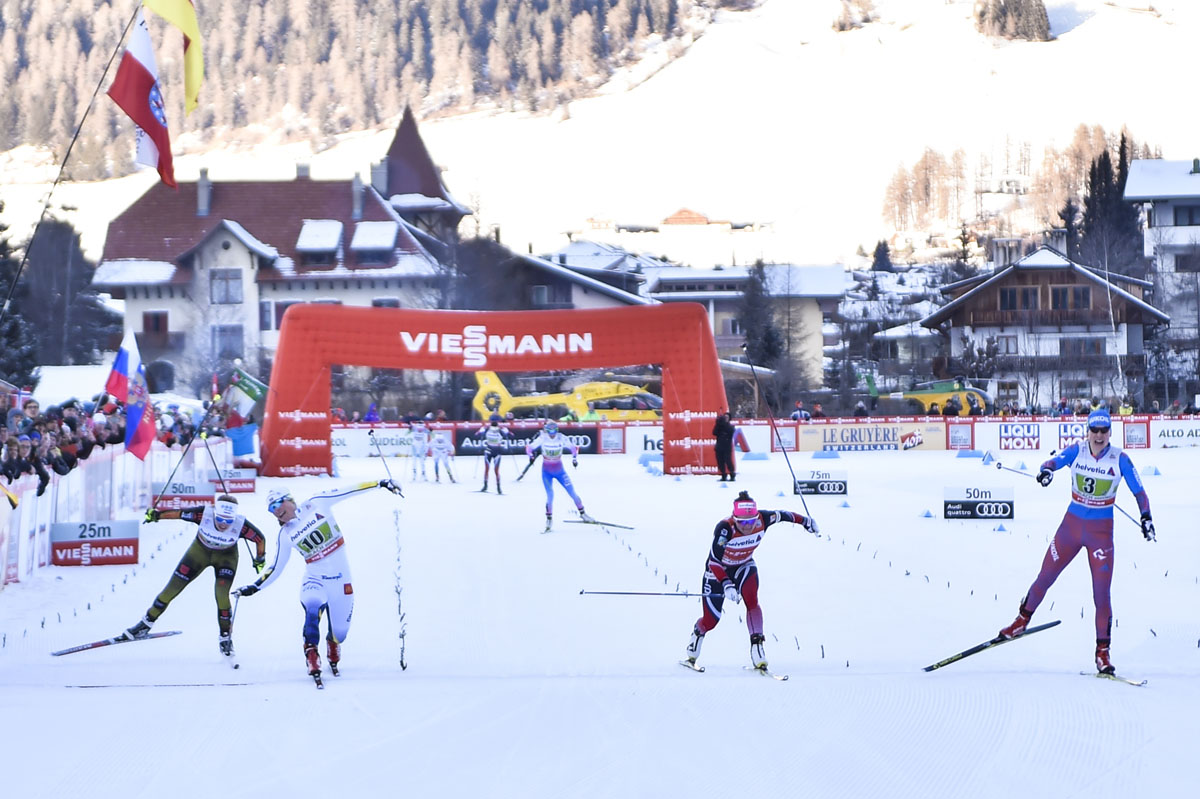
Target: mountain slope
<point x="772" y="116"/>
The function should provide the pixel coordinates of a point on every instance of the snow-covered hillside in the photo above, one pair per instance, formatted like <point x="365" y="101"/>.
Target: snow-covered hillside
<point x="771" y="116"/>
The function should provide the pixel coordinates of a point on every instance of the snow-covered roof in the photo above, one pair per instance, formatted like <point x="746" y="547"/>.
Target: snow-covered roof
<point x="583" y="280"/>
<point x="791" y="280"/>
<point x="407" y="265"/>
<point x="374" y="235"/>
<point x="248" y="241"/>
<point x="319" y="235"/>
<point x="1156" y="179"/>
<point x="132" y="272"/>
<point x="909" y="330"/>
<point x="57" y="384"/>
<point x="419" y="202"/>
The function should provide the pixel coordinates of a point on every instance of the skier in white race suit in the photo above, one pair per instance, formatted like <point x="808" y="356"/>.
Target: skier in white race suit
<point x="313" y="531"/>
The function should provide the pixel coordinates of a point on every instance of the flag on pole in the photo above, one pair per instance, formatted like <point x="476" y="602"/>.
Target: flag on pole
<point x="245" y="390"/>
<point x="127" y="383"/>
<point x="182" y="14"/>
<point x="135" y="91"/>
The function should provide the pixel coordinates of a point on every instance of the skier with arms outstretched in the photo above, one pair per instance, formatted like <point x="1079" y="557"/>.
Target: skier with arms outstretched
<point x="313" y="531"/>
<point x="731" y="573"/>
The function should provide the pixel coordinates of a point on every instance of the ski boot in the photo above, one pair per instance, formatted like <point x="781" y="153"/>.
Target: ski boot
<point x="1018" y="625"/>
<point x="139" y="630"/>
<point x="313" y="659"/>
<point x="549" y="519"/>
<point x="1103" y="664"/>
<point x="333" y="652"/>
<point x="225" y="643"/>
<point x="693" y="647"/>
<point x="758" y="655"/>
<point x="585" y="518"/>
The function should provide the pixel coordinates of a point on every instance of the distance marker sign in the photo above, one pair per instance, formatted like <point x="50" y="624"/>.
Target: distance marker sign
<point x="821" y="481"/>
<point x="978" y="503"/>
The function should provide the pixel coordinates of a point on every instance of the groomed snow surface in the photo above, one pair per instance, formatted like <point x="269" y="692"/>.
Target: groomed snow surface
<point x="519" y="686"/>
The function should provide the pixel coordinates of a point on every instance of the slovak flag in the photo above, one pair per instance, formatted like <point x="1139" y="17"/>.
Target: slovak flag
<point x="127" y="383"/>
<point x="135" y="90"/>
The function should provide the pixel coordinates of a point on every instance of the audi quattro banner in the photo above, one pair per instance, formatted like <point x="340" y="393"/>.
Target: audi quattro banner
<point x="296" y="435"/>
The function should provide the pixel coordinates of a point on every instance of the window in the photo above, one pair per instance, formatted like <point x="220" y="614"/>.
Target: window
<point x="227" y="341"/>
<point x="1029" y="298"/>
<point x="1008" y="299"/>
<point x="1006" y="345"/>
<point x="1059" y="298"/>
<point x="385" y="302"/>
<point x="541" y="295"/>
<point x="280" y="307"/>
<point x="1081" y="298"/>
<point x="226" y="286"/>
<point x="264" y="315"/>
<point x="733" y="326"/>
<point x="374" y="257"/>
<point x="1077" y="347"/>
<point x="1187" y="262"/>
<point x="1076" y="389"/>
<point x="154" y="329"/>
<point x="1187" y="215"/>
<point x="1006" y="391"/>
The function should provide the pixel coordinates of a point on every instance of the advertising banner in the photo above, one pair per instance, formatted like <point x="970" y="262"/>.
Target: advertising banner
<point x="875" y="434"/>
<point x="1166" y="432"/>
<point x="99" y="543"/>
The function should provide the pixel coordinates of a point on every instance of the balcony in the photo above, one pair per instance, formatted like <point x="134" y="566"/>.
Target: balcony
<point x="1094" y="364"/>
<point x="157" y="345"/>
<point x="1025" y="320"/>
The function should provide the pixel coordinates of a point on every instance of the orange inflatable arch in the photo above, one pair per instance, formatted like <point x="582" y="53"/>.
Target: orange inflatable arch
<point x="296" y="433"/>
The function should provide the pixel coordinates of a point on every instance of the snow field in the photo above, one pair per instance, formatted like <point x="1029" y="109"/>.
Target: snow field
<point x="519" y="686"/>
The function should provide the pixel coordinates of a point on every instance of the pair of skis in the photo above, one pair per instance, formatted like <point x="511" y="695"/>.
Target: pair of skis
<point x="763" y="670"/>
<point x="998" y="640"/>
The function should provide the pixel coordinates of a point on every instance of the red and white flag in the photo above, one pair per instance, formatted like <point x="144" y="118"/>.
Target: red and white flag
<point x="135" y="90"/>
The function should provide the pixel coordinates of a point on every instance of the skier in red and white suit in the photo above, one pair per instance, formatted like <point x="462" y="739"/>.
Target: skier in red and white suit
<point x="732" y="574"/>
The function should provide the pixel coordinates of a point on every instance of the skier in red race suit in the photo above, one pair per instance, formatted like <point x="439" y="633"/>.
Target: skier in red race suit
<point x="1096" y="472"/>
<point x="731" y="573"/>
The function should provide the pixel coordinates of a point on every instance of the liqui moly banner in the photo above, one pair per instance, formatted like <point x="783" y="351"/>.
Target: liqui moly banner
<point x="296" y="435"/>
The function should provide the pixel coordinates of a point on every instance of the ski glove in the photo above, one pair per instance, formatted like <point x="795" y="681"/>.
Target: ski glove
<point x="731" y="593"/>
<point x="575" y="462"/>
<point x="1148" y="527"/>
<point x="247" y="590"/>
<point x="810" y="524"/>
<point x="259" y="564"/>
<point x="152" y="515"/>
<point x="1045" y="476"/>
<point x="390" y="486"/>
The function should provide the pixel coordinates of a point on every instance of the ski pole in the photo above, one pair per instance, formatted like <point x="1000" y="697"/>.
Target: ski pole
<point x="531" y="462"/>
<point x="371" y="435"/>
<point x="648" y="594"/>
<point x="775" y="432"/>
<point x="211" y="407"/>
<point x="224" y="488"/>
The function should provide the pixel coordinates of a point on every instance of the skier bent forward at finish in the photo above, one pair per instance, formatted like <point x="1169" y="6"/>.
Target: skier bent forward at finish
<point x="732" y="574"/>
<point x="311" y="528"/>
<point x="1096" y="472"/>
<point x="552" y="444"/>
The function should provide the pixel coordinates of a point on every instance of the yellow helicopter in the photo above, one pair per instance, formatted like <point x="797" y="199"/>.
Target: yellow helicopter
<point x="933" y="397"/>
<point x="611" y="400"/>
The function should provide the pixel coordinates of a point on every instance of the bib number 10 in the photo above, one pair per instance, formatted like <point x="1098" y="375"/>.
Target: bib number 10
<point x="313" y="542"/>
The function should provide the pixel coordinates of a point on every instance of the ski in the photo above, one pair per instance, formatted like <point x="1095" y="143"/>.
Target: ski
<point x="764" y="671"/>
<point x="989" y="644"/>
<point x="1114" y="678"/>
<point x="602" y="524"/>
<point x="691" y="664"/>
<point x="114" y="640"/>
<point x="162" y="685"/>
<point x="232" y="661"/>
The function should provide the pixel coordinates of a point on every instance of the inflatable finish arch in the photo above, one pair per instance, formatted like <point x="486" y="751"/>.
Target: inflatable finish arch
<point x="296" y="437"/>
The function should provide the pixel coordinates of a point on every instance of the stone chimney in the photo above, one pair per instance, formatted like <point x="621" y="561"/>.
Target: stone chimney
<point x="356" y="198"/>
<point x="203" y="193"/>
<point x="302" y="172"/>
<point x="1196" y="166"/>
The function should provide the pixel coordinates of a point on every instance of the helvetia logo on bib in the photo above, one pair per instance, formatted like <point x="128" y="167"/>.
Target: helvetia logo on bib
<point x="475" y="344"/>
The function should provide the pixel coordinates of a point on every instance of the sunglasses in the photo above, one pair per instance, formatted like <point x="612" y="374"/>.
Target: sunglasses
<point x="274" y="506"/>
<point x="1099" y="429"/>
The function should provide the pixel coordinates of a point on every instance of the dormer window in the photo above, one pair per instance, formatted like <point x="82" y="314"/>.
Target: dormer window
<point x="319" y="243"/>
<point x="374" y="243"/>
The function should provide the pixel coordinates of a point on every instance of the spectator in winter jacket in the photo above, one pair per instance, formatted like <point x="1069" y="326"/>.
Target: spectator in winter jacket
<point x="723" y="431"/>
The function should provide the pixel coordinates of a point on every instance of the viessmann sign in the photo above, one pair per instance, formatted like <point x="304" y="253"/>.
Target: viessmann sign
<point x="676" y="336"/>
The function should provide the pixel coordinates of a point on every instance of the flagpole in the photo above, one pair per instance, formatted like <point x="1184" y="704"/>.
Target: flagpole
<point x="63" y="166"/>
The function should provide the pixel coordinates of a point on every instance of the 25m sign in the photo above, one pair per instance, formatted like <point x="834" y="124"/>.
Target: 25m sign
<point x="94" y="543"/>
